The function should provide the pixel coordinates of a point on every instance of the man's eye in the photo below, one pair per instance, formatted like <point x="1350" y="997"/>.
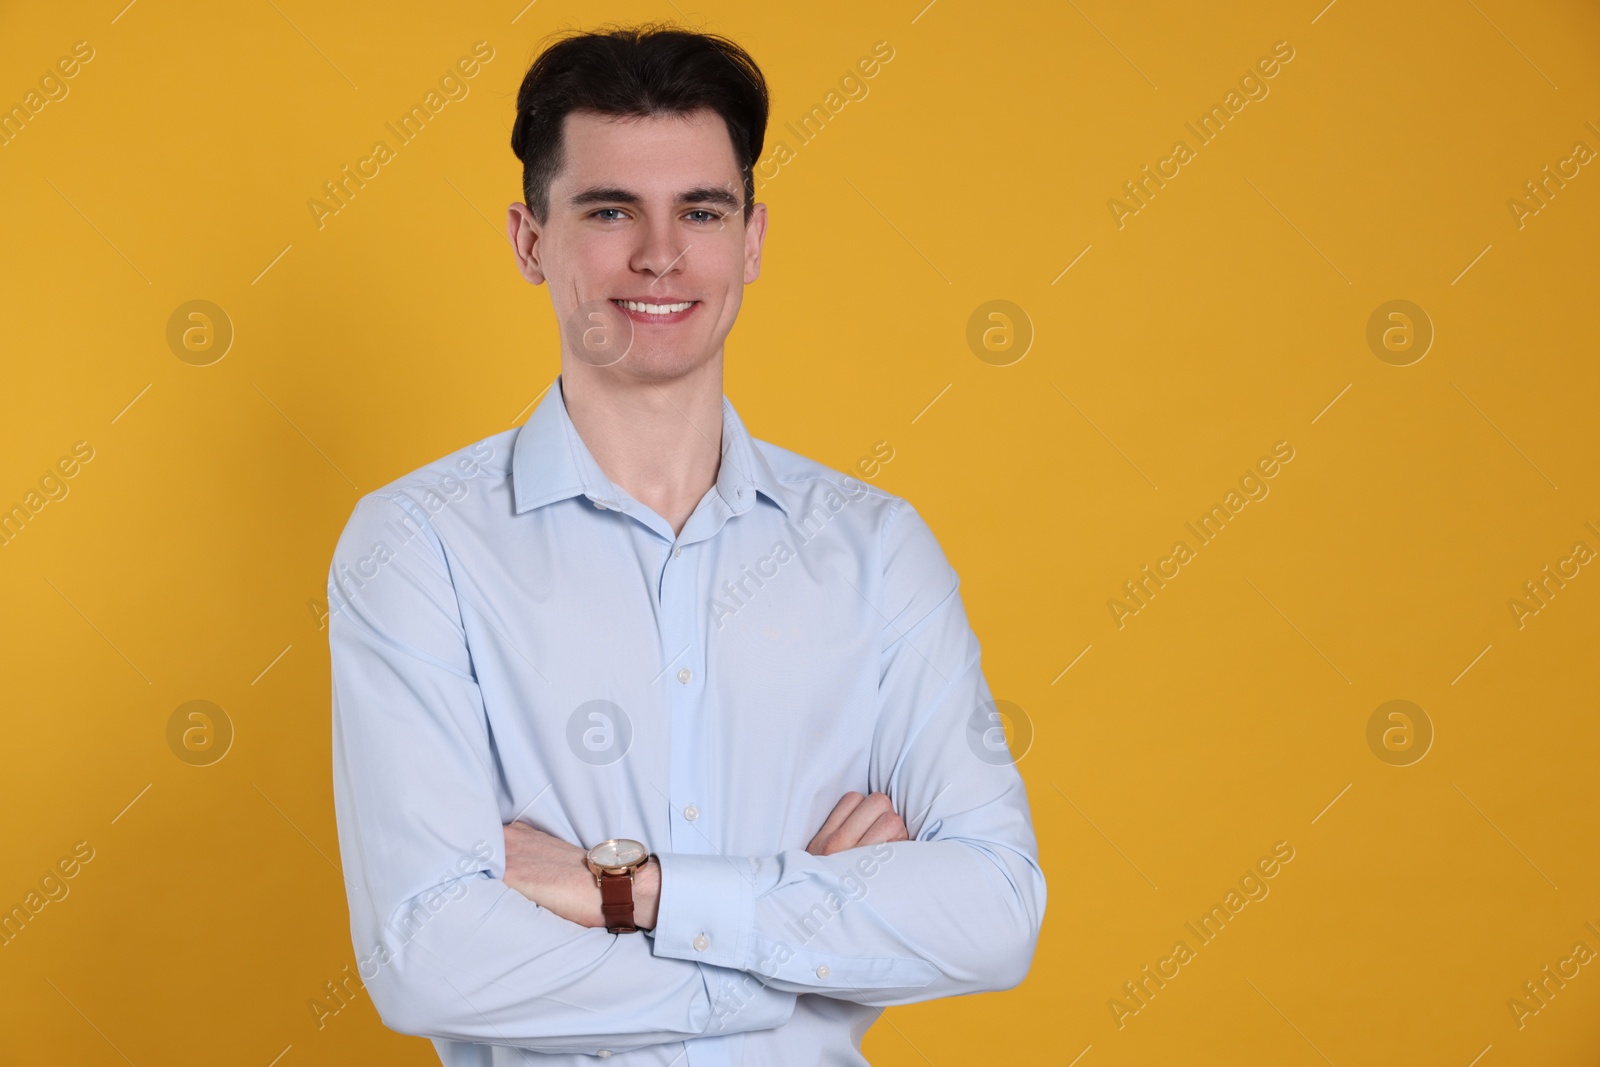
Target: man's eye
<point x="710" y="216"/>
<point x="603" y="210"/>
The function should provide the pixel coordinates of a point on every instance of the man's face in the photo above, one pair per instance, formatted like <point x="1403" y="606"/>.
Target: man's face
<point x="645" y="217"/>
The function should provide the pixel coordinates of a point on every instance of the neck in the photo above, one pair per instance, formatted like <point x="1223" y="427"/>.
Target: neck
<point x="661" y="441"/>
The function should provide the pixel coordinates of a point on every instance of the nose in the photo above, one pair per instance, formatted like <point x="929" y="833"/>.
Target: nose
<point x="662" y="249"/>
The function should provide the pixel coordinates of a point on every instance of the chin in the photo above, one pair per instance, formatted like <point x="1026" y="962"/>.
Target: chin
<point x="662" y="366"/>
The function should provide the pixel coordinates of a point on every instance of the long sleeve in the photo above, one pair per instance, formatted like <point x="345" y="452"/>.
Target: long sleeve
<point x="955" y="910"/>
<point x="446" y="949"/>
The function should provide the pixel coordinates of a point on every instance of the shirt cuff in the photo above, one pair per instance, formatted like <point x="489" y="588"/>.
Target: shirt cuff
<point x="706" y="912"/>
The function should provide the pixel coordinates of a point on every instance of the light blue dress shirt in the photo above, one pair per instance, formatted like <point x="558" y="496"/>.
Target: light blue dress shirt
<point x="515" y="637"/>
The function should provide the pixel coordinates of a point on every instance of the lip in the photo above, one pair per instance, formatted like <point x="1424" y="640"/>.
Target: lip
<point x="645" y="319"/>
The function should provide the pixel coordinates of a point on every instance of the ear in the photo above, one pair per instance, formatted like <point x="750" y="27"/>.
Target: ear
<point x="524" y="232"/>
<point x="755" y="233"/>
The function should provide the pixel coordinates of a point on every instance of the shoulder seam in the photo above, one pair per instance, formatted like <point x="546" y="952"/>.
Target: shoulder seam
<point x="398" y="498"/>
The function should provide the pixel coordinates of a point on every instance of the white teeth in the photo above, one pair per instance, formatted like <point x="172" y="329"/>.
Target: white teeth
<point x="655" y="309"/>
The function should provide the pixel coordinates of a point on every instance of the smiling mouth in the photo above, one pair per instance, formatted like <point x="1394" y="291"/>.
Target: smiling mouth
<point x="640" y="311"/>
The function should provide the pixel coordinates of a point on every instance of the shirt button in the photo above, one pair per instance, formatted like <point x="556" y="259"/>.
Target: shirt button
<point x="684" y="675"/>
<point x="599" y="505"/>
<point x="677" y="550"/>
<point x="700" y="942"/>
<point x="822" y="972"/>
<point x="691" y="813"/>
<point x="603" y="1053"/>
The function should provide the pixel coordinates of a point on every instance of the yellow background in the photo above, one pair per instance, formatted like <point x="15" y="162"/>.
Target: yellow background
<point x="1228" y="314"/>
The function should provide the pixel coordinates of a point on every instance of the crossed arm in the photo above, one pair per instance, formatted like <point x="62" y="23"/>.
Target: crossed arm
<point x="502" y="944"/>
<point x="552" y="872"/>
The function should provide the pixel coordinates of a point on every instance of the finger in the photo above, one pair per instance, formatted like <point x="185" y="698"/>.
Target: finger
<point x="847" y="803"/>
<point x="864" y="815"/>
<point x="887" y="827"/>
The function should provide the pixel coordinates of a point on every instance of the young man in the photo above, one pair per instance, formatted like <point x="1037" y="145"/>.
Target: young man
<point x="652" y="740"/>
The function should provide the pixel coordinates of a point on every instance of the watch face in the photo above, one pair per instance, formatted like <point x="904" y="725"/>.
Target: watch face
<point x="622" y="852"/>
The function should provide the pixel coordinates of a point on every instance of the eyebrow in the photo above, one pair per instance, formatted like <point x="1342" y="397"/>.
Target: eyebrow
<point x="612" y="194"/>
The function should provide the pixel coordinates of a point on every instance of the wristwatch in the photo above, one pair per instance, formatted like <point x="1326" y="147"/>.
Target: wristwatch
<point x="613" y="863"/>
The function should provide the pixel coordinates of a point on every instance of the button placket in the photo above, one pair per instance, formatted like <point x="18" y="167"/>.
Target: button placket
<point x="679" y="614"/>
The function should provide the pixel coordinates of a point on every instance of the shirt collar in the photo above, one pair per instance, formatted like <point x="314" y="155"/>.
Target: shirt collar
<point x="550" y="462"/>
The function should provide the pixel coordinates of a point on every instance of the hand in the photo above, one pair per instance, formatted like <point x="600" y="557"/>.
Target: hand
<point x="857" y="821"/>
<point x="553" y="874"/>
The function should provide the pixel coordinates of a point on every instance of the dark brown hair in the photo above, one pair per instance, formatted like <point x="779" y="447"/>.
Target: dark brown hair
<point x="636" y="71"/>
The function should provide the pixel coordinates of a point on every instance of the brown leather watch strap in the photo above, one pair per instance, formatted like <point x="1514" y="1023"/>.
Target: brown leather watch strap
<point x="616" y="902"/>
